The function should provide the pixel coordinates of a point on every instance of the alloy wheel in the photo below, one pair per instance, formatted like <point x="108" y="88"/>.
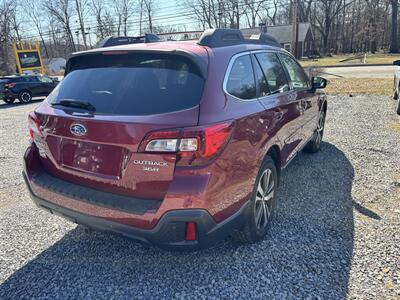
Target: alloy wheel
<point x="264" y="199"/>
<point x="26" y="97"/>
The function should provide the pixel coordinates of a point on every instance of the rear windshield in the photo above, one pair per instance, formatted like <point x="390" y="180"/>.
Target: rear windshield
<point x="132" y="84"/>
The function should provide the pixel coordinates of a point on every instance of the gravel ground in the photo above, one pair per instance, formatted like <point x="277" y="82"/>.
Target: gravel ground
<point x="336" y="234"/>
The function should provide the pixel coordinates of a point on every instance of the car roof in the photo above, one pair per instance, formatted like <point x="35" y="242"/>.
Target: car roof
<point x="191" y="46"/>
<point x="19" y="76"/>
<point x="188" y="46"/>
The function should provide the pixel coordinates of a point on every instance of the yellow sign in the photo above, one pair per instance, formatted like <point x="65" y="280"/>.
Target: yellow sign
<point x="27" y="57"/>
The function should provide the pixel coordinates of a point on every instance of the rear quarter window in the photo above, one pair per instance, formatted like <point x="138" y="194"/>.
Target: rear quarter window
<point x="132" y="84"/>
<point x="240" y="81"/>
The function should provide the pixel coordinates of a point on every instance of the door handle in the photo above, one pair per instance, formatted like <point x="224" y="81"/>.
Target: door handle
<point x="278" y="114"/>
<point x="303" y="106"/>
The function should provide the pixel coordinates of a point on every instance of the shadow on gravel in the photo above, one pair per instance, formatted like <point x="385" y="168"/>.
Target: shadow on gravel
<point x="4" y="105"/>
<point x="308" y="252"/>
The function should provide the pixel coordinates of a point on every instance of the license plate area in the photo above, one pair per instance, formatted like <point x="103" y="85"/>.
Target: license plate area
<point x="91" y="157"/>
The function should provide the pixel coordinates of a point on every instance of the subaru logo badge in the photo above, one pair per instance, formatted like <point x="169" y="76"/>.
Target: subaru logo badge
<point x="78" y="129"/>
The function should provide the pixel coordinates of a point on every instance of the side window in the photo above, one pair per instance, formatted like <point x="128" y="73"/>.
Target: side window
<point x="297" y="76"/>
<point x="32" y="79"/>
<point x="241" y="83"/>
<point x="260" y="80"/>
<point x="45" y="79"/>
<point x="274" y="72"/>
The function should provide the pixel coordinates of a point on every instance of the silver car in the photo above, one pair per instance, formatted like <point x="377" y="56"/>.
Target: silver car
<point x="396" y="85"/>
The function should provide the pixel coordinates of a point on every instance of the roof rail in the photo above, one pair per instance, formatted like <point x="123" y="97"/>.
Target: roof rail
<point x="124" y="40"/>
<point x="264" y="39"/>
<point x="221" y="37"/>
<point x="218" y="37"/>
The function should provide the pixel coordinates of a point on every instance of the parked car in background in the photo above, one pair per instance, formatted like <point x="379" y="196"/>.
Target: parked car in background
<point x="178" y="144"/>
<point x="396" y="85"/>
<point x="25" y="87"/>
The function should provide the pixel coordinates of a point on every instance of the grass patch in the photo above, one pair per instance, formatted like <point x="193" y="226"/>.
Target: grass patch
<point x="360" y="86"/>
<point x="335" y="60"/>
<point x="395" y="126"/>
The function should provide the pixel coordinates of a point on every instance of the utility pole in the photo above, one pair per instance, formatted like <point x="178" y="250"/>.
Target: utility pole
<point x="220" y="13"/>
<point x="295" y="30"/>
<point x="237" y="15"/>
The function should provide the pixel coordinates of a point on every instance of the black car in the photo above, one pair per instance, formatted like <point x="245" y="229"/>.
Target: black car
<point x="25" y="87"/>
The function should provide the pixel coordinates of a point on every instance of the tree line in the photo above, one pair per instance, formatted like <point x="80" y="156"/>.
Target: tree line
<point x="65" y="26"/>
<point x="339" y="26"/>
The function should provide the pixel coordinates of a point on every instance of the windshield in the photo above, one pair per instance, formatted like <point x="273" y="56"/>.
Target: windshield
<point x="132" y="84"/>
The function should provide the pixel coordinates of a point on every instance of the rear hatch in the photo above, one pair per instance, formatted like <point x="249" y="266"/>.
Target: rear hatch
<point x="93" y="123"/>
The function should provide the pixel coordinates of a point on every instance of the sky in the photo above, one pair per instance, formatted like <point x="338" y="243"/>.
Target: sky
<point x="167" y="13"/>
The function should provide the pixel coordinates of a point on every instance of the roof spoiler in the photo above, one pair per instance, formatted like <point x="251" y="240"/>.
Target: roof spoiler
<point x="214" y="38"/>
<point x="124" y="40"/>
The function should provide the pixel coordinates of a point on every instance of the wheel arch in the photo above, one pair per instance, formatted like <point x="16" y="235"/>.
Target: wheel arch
<point x="275" y="153"/>
<point x="324" y="106"/>
<point x="25" y="90"/>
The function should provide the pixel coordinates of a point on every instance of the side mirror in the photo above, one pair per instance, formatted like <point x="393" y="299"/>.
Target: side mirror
<point x="318" y="83"/>
<point x="396" y="63"/>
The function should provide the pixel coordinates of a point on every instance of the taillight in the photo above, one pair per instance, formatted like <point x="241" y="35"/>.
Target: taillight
<point x="10" y="85"/>
<point x="193" y="145"/>
<point x="33" y="125"/>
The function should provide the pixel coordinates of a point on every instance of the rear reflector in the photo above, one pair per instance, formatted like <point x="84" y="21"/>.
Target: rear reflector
<point x="191" y="234"/>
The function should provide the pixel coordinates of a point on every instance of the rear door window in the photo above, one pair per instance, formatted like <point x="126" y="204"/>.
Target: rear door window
<point x="132" y="84"/>
<point x="263" y="89"/>
<point x="273" y="72"/>
<point x="240" y="82"/>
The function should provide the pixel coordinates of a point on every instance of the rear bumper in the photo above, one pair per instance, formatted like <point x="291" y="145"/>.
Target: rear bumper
<point x="8" y="94"/>
<point x="169" y="233"/>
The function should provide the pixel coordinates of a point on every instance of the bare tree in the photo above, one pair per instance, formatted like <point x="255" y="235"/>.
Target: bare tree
<point x="253" y="10"/>
<point x="305" y="10"/>
<point x="8" y="12"/>
<point x="141" y="6"/>
<point x="34" y="11"/>
<point x="205" y="11"/>
<point x="108" y="24"/>
<point x="149" y="12"/>
<point x="124" y="10"/>
<point x="81" y="7"/>
<point x="328" y="10"/>
<point x="61" y="10"/>
<point x="104" y="21"/>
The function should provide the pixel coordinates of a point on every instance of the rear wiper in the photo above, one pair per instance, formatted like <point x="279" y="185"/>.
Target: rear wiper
<point x="78" y="104"/>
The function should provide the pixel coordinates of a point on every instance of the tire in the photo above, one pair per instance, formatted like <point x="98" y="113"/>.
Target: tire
<point x="262" y="206"/>
<point x="398" y="107"/>
<point x="9" y="100"/>
<point x="314" y="145"/>
<point x="25" y="96"/>
<point x="396" y="96"/>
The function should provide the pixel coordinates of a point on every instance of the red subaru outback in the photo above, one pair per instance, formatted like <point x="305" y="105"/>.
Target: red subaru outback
<point x="178" y="144"/>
